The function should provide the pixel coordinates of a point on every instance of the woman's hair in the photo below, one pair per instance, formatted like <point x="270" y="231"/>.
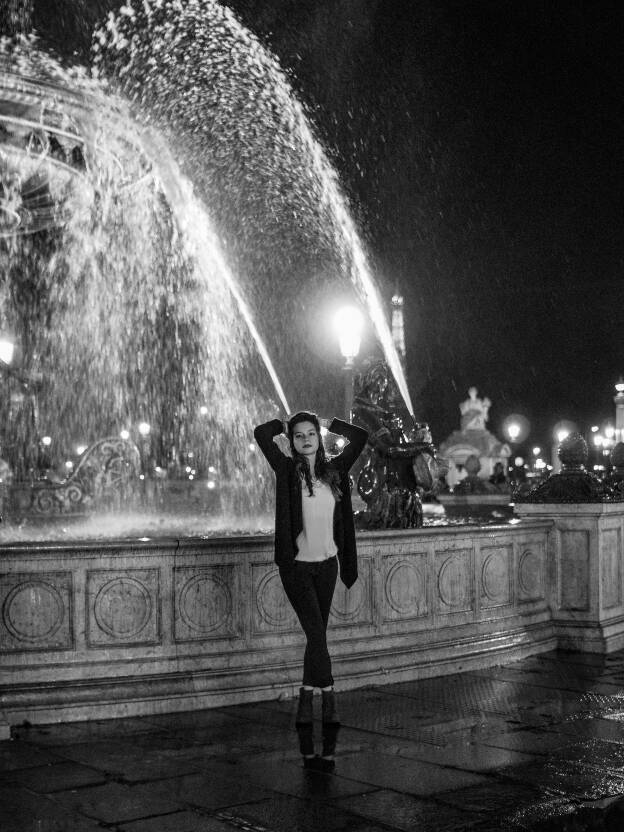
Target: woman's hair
<point x="323" y="469"/>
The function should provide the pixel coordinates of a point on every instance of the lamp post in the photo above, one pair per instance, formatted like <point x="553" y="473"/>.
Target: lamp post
<point x="348" y="322"/>
<point x="618" y="400"/>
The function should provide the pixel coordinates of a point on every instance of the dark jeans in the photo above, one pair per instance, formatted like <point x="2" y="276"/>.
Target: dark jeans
<point x="310" y="588"/>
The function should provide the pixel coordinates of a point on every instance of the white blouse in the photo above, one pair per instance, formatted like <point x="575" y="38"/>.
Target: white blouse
<point x="316" y="541"/>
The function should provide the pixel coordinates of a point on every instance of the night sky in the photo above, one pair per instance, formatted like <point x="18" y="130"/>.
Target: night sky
<point x="480" y="145"/>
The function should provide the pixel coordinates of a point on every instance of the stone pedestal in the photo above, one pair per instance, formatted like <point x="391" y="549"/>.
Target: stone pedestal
<point x="585" y="572"/>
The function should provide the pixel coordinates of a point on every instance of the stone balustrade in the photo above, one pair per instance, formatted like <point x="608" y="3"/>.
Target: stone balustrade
<point x="107" y="629"/>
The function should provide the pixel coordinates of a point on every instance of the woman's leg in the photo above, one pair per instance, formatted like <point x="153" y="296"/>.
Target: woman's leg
<point x="307" y="587"/>
<point x="326" y="584"/>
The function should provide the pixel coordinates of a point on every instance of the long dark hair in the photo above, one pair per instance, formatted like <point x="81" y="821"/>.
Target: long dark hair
<point x="323" y="469"/>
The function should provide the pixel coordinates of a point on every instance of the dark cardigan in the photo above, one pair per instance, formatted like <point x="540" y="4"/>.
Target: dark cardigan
<point x="288" y="511"/>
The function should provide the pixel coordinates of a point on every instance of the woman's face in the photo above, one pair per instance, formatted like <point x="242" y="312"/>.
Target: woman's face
<point x="305" y="439"/>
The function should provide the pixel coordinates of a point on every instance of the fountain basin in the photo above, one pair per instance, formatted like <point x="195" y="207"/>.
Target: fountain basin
<point x="114" y="628"/>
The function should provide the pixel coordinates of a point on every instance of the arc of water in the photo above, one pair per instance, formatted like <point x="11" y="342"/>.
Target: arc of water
<point x="180" y="196"/>
<point x="361" y="275"/>
<point x="361" y="270"/>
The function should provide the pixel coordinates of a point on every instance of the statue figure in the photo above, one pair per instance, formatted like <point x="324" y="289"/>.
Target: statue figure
<point x="474" y="411"/>
<point x="400" y="464"/>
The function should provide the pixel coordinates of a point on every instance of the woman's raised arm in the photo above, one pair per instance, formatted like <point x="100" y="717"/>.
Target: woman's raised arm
<point x="264" y="435"/>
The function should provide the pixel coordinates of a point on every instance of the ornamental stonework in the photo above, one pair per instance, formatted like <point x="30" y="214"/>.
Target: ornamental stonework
<point x="36" y="611"/>
<point x="123" y="607"/>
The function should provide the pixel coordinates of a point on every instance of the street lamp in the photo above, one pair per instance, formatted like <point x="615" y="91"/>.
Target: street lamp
<point x="618" y="400"/>
<point x="349" y="322"/>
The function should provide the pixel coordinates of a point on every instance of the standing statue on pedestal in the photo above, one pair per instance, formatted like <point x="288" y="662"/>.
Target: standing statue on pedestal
<point x="400" y="463"/>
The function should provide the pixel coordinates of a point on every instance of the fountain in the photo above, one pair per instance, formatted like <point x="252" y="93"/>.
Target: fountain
<point x="148" y="205"/>
<point x="167" y="220"/>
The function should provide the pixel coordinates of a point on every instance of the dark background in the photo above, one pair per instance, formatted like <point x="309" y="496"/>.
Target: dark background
<point x="480" y="144"/>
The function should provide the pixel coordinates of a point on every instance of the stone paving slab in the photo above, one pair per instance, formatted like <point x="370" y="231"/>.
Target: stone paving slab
<point x="116" y="802"/>
<point x="408" y="776"/>
<point x="178" y="822"/>
<point x="534" y="746"/>
<point x="16" y="755"/>
<point x="56" y="777"/>
<point x="409" y="813"/>
<point x="290" y="814"/>
<point x="132" y="764"/>
<point x="21" y="810"/>
<point x="283" y="773"/>
<point x="213" y="790"/>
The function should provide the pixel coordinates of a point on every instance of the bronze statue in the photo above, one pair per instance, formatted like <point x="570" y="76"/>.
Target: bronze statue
<point x="400" y="465"/>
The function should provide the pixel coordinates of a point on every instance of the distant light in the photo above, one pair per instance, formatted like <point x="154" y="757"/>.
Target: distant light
<point x="252" y="447"/>
<point x="144" y="539"/>
<point x="141" y="476"/>
<point x="519" y="461"/>
<point x="46" y="440"/>
<point x="203" y="410"/>
<point x="7" y="349"/>
<point x="188" y="469"/>
<point x="158" y="469"/>
<point x="540" y="464"/>
<point x="595" y="428"/>
<point x="609" y="431"/>
<point x="211" y="484"/>
<point x="537" y="451"/>
<point x="124" y="434"/>
<point x="514" y="521"/>
<point x="191" y="477"/>
<point x="144" y="429"/>
<point x="69" y="464"/>
<point x="80" y="449"/>
<point x="516" y="427"/>
<point x="340" y="443"/>
<point x="598" y="440"/>
<point x="620" y="385"/>
<point x="190" y="454"/>
<point x="193" y="472"/>
<point x="212" y="469"/>
<point x="562" y="434"/>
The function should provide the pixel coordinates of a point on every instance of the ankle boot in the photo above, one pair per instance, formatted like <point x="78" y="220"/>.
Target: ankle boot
<point x="304" y="722"/>
<point x="331" y="727"/>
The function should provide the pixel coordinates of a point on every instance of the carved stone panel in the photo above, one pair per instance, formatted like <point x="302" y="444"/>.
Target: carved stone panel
<point x="353" y="606"/>
<point x="123" y="607"/>
<point x="205" y="603"/>
<point x="271" y="610"/>
<point x="496" y="574"/>
<point x="611" y="568"/>
<point x="574" y="570"/>
<point x="405" y="587"/>
<point x="36" y="611"/>
<point x="531" y="570"/>
<point x="454" y="583"/>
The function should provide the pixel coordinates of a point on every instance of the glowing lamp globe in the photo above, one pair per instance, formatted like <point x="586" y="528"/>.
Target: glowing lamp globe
<point x="7" y="349"/>
<point x="349" y="322"/>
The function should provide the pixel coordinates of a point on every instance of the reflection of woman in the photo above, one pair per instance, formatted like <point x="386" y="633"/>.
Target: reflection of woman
<point x="313" y="530"/>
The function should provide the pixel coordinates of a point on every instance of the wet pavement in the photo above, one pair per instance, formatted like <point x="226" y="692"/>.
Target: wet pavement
<point x="533" y="745"/>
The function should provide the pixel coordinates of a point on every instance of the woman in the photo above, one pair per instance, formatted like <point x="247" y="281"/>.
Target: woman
<point x="314" y="531"/>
